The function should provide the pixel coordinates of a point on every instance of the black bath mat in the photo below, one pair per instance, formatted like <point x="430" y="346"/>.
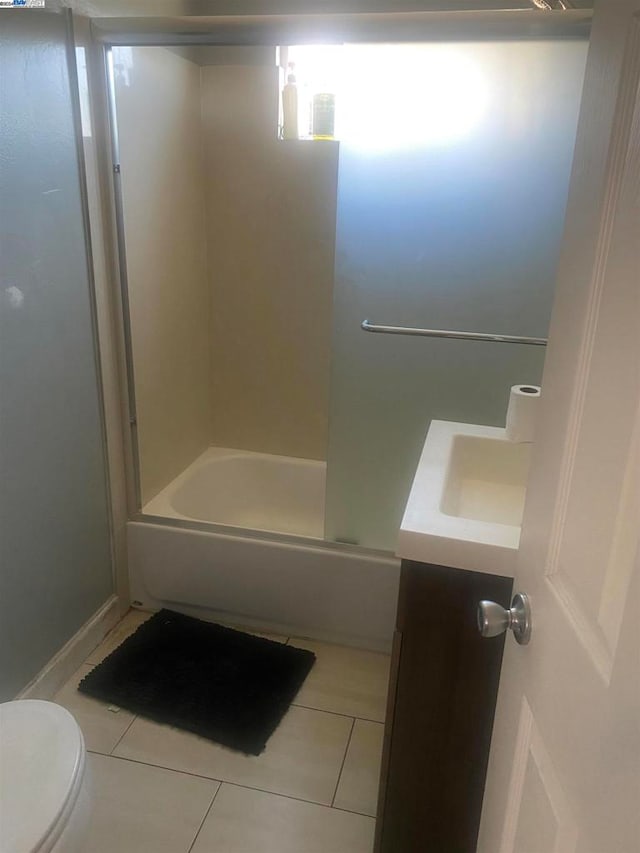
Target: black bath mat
<point x="219" y="683"/>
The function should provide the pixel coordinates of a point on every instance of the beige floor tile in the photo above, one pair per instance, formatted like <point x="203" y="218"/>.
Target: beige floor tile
<point x="102" y="728"/>
<point x="244" y="821"/>
<point x="131" y="621"/>
<point x="302" y="759"/>
<point x="358" y="787"/>
<point x="141" y="809"/>
<point x="345" y="681"/>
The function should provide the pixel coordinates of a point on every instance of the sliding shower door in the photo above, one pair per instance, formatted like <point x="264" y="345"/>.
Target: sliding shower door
<point x="55" y="551"/>
<point x="453" y="176"/>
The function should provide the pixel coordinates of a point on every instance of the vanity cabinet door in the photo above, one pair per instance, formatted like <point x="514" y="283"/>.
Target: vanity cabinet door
<point x="442" y="699"/>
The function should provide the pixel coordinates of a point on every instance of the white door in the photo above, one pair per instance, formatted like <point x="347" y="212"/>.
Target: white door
<point x="564" y="772"/>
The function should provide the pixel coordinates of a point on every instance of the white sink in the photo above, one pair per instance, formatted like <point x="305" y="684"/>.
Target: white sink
<point x="466" y="503"/>
<point x="486" y="479"/>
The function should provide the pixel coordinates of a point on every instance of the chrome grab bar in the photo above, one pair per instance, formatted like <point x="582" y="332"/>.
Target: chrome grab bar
<point x="368" y="326"/>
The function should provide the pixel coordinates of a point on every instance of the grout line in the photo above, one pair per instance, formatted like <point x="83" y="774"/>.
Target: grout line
<point x="322" y="711"/>
<point x="211" y="779"/>
<point x="344" y="758"/>
<point x="157" y="766"/>
<point x="117" y="744"/>
<point x="353" y="811"/>
<point x="338" y="713"/>
<point x="221" y="782"/>
<point x="293" y="705"/>
<point x="206" y="815"/>
<point x="297" y="799"/>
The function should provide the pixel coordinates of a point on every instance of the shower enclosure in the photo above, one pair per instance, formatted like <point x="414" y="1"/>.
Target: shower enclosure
<point x="275" y="439"/>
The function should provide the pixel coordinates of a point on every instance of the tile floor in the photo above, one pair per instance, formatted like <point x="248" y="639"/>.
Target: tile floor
<point x="313" y="790"/>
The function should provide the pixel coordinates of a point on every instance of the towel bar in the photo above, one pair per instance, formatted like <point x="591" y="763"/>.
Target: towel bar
<point x="368" y="326"/>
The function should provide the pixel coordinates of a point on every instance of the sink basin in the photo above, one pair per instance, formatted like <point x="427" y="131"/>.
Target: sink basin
<point x="486" y="479"/>
<point x="466" y="502"/>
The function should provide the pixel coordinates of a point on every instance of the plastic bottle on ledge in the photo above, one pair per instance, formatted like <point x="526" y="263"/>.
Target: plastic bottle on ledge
<point x="324" y="115"/>
<point x="290" y="106"/>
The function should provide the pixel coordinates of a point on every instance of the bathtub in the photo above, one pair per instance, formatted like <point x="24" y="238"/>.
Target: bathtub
<point x="258" y="491"/>
<point x="237" y="538"/>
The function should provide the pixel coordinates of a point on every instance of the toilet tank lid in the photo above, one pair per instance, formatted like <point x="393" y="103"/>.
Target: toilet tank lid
<point x="41" y="758"/>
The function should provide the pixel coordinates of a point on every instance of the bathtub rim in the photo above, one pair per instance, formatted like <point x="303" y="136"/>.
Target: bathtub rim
<point x="233" y="531"/>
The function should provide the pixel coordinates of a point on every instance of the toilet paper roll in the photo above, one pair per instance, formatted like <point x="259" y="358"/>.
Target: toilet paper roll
<point x="521" y="412"/>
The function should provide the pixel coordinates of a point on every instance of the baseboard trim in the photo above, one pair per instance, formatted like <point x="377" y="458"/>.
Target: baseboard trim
<point x="63" y="664"/>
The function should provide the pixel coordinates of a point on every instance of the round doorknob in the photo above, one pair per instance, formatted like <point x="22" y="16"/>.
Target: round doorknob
<point x="494" y="619"/>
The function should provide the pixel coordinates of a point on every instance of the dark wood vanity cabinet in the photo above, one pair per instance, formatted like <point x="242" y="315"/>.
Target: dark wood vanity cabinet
<point x="442" y="697"/>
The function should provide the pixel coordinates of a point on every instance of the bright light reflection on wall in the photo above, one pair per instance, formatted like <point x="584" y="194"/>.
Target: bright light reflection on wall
<point x="83" y="89"/>
<point x="394" y="96"/>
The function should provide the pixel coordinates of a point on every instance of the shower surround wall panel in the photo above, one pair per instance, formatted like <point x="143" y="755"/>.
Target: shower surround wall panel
<point x="158" y="108"/>
<point x="271" y="234"/>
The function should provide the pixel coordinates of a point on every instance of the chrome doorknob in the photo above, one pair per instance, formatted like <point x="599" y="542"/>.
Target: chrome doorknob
<point x="494" y="619"/>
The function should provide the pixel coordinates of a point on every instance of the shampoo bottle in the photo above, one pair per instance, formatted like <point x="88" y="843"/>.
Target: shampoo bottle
<point x="290" y="106"/>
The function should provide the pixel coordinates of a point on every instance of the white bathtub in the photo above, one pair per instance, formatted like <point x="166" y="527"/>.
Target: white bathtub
<point x="258" y="491"/>
<point x="198" y="560"/>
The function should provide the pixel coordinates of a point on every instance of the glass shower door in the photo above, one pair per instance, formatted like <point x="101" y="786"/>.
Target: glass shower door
<point x="55" y="550"/>
<point x="451" y="199"/>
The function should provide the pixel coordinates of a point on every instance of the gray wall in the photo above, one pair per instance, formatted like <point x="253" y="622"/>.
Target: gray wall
<point x="55" y="561"/>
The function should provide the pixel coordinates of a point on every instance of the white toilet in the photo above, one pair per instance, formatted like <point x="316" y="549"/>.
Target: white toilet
<point x="44" y="796"/>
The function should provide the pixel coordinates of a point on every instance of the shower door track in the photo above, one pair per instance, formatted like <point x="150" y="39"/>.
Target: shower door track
<point x="461" y="24"/>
